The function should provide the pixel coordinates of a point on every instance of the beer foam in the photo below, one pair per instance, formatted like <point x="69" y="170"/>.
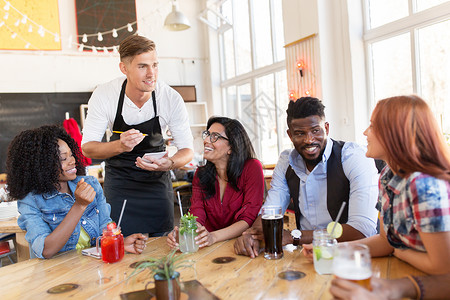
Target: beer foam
<point x="272" y="217"/>
<point x="352" y="273"/>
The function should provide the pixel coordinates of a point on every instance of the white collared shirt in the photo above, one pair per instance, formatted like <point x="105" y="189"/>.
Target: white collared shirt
<point x="169" y="104"/>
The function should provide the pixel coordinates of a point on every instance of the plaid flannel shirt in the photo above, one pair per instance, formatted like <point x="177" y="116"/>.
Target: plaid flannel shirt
<point x="420" y="203"/>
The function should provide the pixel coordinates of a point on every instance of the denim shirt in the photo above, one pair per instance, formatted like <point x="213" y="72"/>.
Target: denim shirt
<point x="40" y="214"/>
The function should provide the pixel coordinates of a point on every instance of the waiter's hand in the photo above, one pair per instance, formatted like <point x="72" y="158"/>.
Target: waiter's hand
<point x="129" y="139"/>
<point x="152" y="164"/>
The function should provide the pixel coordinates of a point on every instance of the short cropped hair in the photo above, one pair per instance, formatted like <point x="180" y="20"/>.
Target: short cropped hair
<point x="305" y="107"/>
<point x="135" y="45"/>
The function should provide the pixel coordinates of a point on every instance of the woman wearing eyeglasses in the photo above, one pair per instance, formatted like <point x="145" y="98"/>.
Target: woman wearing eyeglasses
<point x="227" y="193"/>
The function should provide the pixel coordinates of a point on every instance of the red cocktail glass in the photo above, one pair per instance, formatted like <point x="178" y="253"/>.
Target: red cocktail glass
<point x="112" y="245"/>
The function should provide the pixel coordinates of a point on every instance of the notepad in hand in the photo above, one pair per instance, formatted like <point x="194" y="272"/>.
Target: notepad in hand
<point x="154" y="155"/>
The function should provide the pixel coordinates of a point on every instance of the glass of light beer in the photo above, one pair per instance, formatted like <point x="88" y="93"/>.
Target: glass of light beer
<point x="352" y="262"/>
<point x="272" y="222"/>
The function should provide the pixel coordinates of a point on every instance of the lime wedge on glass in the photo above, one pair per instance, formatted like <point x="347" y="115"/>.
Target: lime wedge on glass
<point x="317" y="253"/>
<point x="337" y="231"/>
<point x="326" y="254"/>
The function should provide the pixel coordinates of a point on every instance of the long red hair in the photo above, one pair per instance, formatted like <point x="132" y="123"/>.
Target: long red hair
<point x="411" y="137"/>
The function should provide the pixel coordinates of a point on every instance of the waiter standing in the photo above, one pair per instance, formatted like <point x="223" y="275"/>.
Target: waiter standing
<point x="140" y="107"/>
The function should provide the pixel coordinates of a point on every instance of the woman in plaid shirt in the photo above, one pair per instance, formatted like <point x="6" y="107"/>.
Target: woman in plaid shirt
<point x="414" y="198"/>
<point x="415" y="185"/>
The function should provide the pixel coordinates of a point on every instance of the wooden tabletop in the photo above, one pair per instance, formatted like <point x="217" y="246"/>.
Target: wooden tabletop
<point x="243" y="278"/>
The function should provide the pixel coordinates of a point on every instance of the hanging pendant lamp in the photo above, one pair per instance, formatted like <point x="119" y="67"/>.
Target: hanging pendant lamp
<point x="176" y="20"/>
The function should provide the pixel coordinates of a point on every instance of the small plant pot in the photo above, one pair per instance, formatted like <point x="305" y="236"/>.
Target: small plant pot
<point x="162" y="289"/>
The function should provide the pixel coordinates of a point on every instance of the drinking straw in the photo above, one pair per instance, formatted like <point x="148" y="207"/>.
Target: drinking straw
<point x="121" y="213"/>
<point x="179" y="203"/>
<point x="338" y="217"/>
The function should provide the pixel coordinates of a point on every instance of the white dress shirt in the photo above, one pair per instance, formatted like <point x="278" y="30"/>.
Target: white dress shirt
<point x="169" y="104"/>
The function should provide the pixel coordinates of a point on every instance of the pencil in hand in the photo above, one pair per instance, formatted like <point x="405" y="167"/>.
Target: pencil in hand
<point x="144" y="134"/>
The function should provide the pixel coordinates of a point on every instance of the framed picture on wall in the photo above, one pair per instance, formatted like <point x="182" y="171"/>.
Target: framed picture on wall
<point x="187" y="92"/>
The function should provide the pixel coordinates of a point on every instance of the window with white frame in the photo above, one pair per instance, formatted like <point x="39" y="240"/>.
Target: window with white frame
<point x="253" y="72"/>
<point x="408" y="50"/>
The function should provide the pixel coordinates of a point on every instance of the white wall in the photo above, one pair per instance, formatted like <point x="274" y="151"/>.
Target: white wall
<point x="341" y="59"/>
<point x="182" y="55"/>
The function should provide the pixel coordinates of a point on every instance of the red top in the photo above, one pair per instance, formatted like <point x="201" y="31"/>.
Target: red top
<point x="71" y="126"/>
<point x="237" y="205"/>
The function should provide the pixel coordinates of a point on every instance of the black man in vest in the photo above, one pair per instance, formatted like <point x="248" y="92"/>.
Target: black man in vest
<point x="317" y="176"/>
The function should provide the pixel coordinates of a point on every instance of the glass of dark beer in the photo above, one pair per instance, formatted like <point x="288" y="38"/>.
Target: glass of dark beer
<point x="272" y="222"/>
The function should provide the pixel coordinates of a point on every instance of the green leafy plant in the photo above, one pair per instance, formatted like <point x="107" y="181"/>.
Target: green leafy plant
<point x="164" y="267"/>
<point x="189" y="223"/>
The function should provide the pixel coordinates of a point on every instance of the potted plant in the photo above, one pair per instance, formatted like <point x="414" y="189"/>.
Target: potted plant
<point x="166" y="278"/>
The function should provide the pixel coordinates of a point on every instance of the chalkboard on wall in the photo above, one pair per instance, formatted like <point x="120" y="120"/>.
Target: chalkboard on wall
<point x="21" y="111"/>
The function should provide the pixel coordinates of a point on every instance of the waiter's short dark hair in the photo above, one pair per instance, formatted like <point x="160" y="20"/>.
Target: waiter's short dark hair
<point x="305" y="107"/>
<point x="135" y="45"/>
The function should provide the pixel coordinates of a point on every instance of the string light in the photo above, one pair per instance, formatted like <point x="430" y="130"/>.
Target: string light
<point x="23" y="18"/>
<point x="27" y="46"/>
<point x="41" y="31"/>
<point x="13" y="36"/>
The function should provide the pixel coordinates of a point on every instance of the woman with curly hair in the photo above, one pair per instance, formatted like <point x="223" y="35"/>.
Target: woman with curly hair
<point x="59" y="207"/>
<point x="227" y="193"/>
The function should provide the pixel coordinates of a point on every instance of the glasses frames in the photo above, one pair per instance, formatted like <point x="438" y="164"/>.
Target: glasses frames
<point x="213" y="137"/>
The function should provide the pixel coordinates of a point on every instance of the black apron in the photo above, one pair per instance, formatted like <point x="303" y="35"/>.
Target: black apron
<point x="149" y="194"/>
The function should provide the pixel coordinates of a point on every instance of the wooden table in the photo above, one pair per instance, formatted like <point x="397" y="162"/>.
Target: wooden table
<point x="22" y="247"/>
<point x="243" y="278"/>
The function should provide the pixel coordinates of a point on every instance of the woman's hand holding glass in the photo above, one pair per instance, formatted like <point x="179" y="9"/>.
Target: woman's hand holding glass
<point x="204" y="237"/>
<point x="172" y="238"/>
<point x="308" y="251"/>
<point x="135" y="243"/>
